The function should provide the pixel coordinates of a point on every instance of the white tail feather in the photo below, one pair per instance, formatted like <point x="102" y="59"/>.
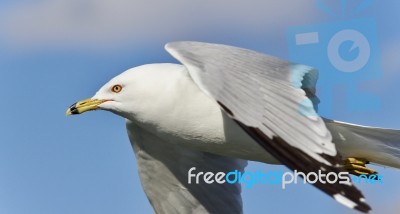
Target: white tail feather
<point x="378" y="145"/>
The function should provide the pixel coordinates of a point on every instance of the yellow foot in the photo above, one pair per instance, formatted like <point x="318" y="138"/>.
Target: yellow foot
<point x="356" y="166"/>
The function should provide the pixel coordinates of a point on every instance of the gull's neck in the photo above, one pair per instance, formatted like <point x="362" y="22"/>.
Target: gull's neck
<point x="170" y="104"/>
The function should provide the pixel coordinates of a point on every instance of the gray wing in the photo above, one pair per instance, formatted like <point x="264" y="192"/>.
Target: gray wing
<point x="267" y="97"/>
<point x="163" y="169"/>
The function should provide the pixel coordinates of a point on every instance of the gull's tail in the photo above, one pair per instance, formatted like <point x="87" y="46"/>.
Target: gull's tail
<point x="377" y="145"/>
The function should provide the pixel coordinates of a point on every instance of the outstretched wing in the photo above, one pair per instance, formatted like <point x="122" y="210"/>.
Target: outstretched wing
<point x="264" y="95"/>
<point x="163" y="169"/>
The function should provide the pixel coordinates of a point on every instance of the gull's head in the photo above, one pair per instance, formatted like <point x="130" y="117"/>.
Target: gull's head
<point x="132" y="91"/>
<point x="114" y="96"/>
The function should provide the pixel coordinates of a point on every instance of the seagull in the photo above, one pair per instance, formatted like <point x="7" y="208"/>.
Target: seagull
<point x="223" y="106"/>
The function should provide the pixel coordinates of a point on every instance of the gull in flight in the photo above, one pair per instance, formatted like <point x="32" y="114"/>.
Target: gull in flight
<point x="223" y="106"/>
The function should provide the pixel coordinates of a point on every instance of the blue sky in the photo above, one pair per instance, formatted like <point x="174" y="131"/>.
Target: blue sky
<point x="53" y="53"/>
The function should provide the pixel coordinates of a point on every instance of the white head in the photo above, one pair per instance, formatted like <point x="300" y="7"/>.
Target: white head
<point x="128" y="93"/>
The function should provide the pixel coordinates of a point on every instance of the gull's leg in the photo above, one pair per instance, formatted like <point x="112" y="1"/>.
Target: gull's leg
<point x="356" y="166"/>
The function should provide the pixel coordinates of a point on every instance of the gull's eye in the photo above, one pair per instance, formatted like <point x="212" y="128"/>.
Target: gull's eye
<point x="116" y="88"/>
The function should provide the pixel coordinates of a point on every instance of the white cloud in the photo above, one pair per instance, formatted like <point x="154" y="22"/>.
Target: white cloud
<point x="109" y="23"/>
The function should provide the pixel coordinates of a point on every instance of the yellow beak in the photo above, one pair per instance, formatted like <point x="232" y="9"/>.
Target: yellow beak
<point x="83" y="106"/>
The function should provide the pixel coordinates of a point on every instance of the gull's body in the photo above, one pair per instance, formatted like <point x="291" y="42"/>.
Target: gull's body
<point x="224" y="106"/>
<point x="202" y="125"/>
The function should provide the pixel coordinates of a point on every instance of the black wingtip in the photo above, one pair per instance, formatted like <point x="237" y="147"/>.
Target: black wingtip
<point x="363" y="207"/>
<point x="295" y="159"/>
<point x="351" y="202"/>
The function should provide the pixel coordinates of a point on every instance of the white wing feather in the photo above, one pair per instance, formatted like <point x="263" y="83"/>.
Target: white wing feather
<point x="260" y="90"/>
